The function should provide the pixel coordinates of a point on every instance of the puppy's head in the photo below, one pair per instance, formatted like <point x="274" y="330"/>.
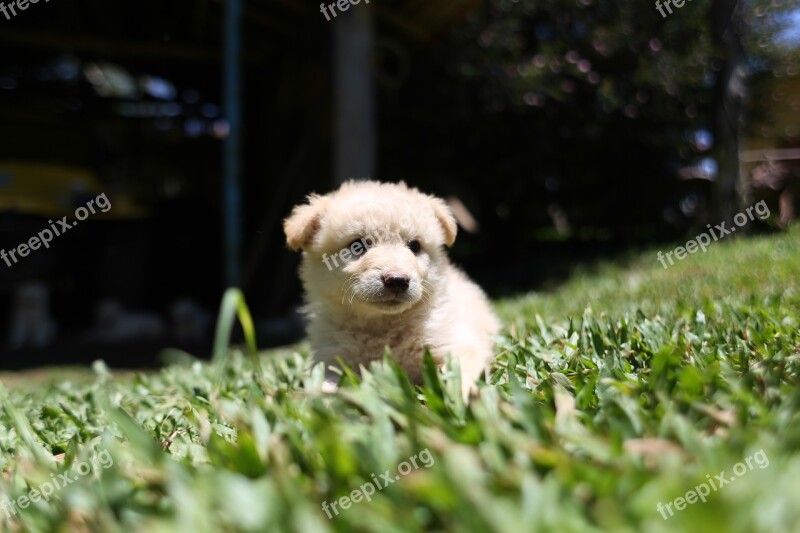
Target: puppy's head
<point x="375" y="248"/>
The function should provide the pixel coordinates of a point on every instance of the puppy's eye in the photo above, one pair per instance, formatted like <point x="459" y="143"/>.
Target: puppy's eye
<point x="358" y="247"/>
<point x="414" y="246"/>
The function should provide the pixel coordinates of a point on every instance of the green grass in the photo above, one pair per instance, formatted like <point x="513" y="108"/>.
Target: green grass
<point x="623" y="389"/>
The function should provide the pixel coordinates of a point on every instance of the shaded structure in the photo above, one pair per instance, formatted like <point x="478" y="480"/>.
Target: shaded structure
<point x="143" y="96"/>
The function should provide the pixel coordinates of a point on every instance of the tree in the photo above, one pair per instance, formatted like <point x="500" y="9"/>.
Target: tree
<point x="592" y="109"/>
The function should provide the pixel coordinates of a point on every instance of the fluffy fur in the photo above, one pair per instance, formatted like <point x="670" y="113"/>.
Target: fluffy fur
<point x="390" y="295"/>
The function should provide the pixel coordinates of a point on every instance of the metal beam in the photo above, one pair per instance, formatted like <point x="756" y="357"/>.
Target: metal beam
<point x="109" y="48"/>
<point x="769" y="154"/>
<point x="232" y="147"/>
<point x="355" y="128"/>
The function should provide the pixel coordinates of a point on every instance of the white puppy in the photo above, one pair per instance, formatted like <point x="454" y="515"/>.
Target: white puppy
<point x="376" y="275"/>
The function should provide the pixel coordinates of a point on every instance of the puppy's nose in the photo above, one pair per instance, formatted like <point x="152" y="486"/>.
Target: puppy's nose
<point x="395" y="281"/>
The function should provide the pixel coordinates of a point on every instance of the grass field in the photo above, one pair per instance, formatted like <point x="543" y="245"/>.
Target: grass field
<point x="629" y="387"/>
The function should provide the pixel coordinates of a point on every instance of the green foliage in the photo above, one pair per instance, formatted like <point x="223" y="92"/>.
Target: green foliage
<point x="583" y="104"/>
<point x="587" y="110"/>
<point x="623" y="389"/>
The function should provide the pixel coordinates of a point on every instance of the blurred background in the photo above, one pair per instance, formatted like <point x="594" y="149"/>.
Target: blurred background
<point x="561" y="132"/>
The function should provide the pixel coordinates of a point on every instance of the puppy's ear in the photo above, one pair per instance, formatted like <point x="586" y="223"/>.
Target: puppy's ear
<point x="446" y="219"/>
<point x="304" y="222"/>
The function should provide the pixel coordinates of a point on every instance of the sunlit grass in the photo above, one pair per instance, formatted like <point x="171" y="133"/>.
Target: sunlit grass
<point x="622" y="389"/>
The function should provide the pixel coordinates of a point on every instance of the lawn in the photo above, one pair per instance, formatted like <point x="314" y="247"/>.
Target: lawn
<point x="615" y="404"/>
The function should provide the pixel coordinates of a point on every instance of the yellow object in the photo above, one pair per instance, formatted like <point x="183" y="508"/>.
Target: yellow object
<point x="54" y="191"/>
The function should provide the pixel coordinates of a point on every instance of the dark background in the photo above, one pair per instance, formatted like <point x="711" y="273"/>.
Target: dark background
<point x="571" y="131"/>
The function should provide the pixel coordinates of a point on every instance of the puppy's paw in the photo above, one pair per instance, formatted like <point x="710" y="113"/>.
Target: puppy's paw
<point x="469" y="390"/>
<point x="474" y="363"/>
<point x="329" y="386"/>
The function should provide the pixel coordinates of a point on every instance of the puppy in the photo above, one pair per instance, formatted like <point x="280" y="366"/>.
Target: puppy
<point x="376" y="275"/>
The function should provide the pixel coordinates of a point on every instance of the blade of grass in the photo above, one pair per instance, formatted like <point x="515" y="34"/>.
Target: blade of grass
<point x="234" y="306"/>
<point x="25" y="430"/>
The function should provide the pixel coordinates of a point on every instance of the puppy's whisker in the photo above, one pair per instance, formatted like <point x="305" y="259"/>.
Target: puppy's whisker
<point x="352" y="293"/>
<point x="349" y="287"/>
<point x="427" y="293"/>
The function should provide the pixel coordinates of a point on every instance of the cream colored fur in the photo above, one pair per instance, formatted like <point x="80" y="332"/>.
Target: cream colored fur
<point x="353" y="315"/>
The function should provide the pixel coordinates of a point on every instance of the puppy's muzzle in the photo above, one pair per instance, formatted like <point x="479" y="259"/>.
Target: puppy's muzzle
<point x="395" y="282"/>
